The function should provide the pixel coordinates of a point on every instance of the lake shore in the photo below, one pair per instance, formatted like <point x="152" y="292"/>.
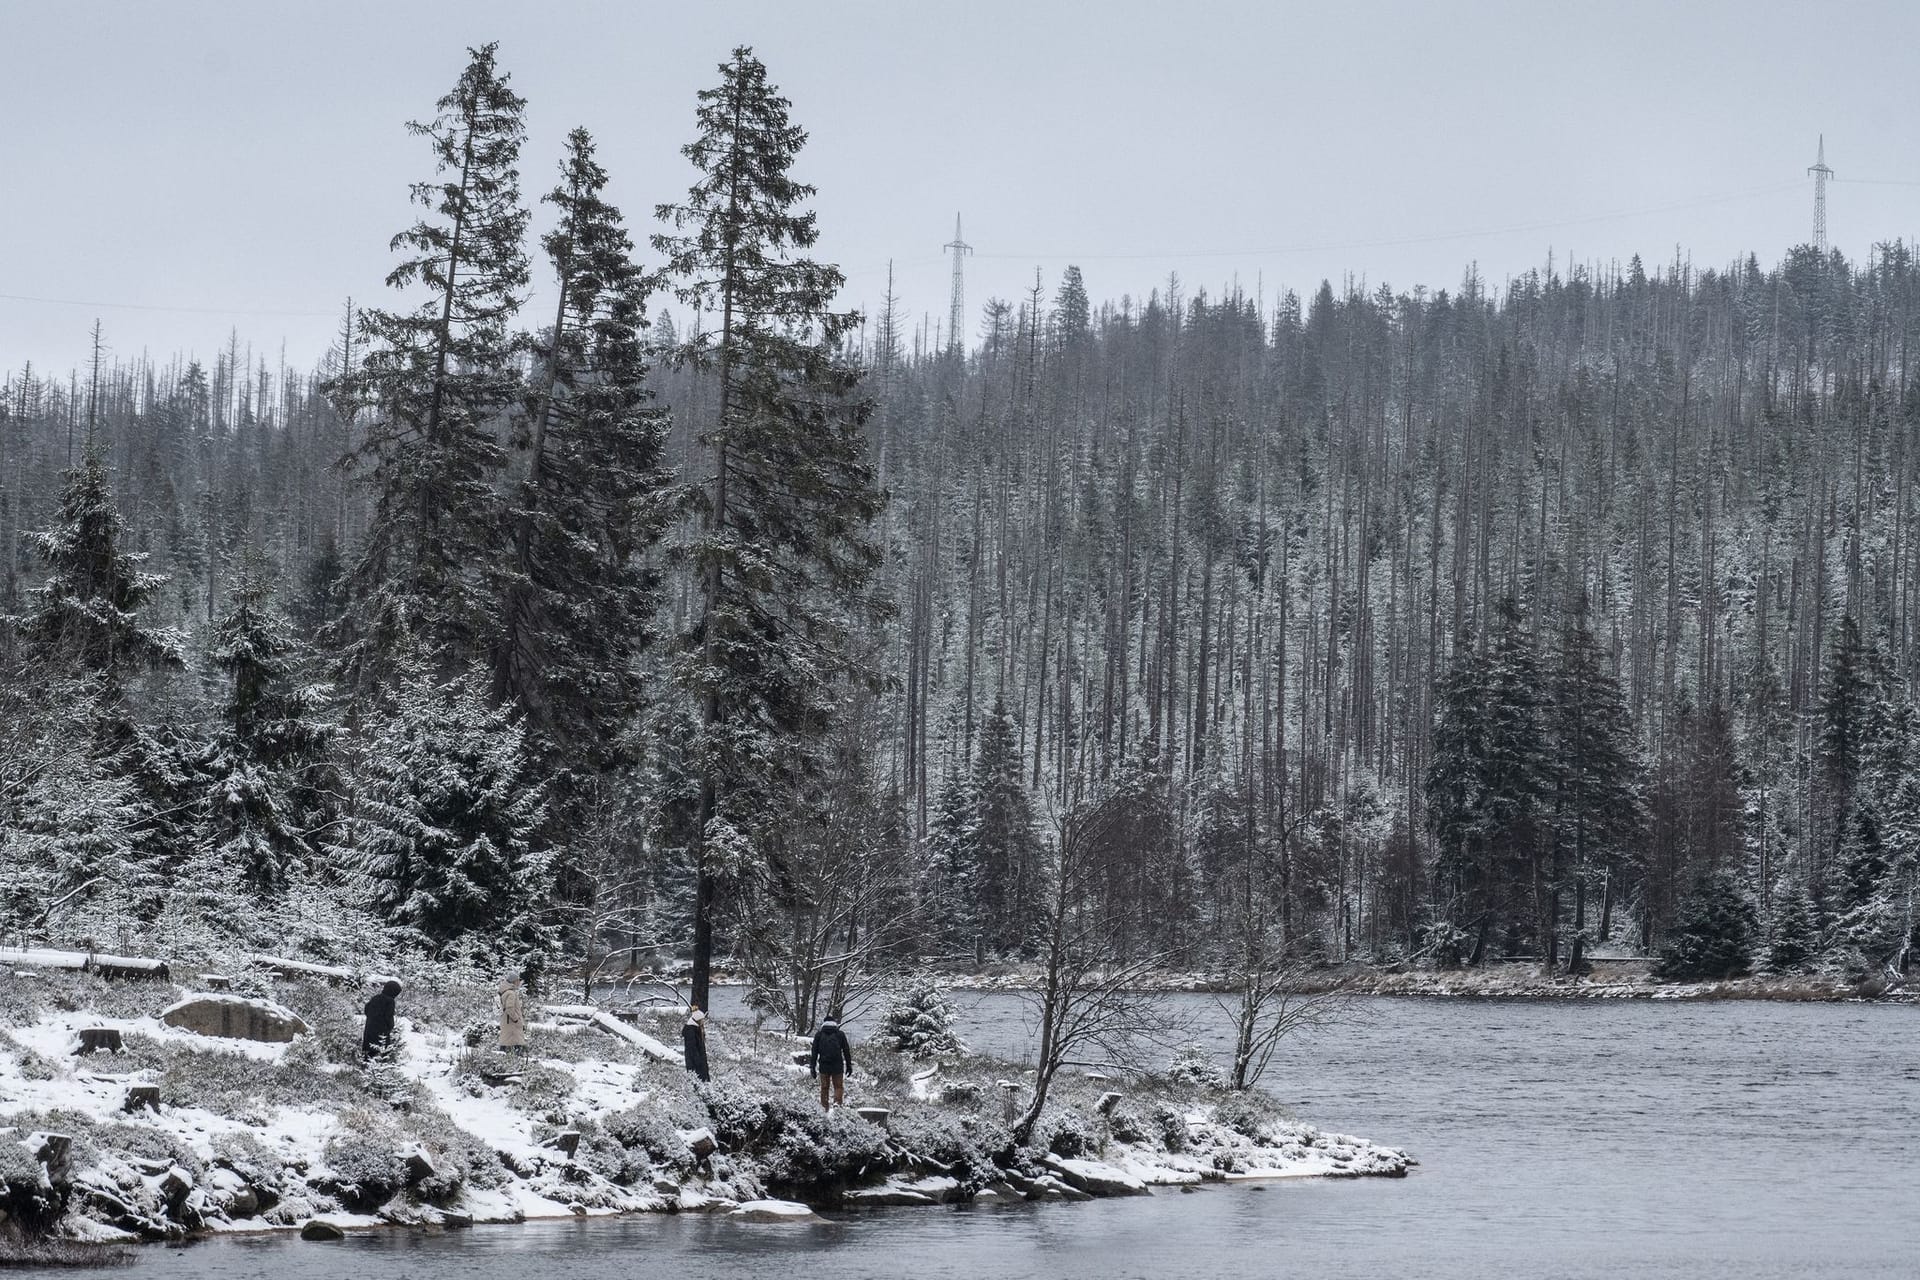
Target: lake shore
<point x="178" y="1134"/>
<point x="1609" y="979"/>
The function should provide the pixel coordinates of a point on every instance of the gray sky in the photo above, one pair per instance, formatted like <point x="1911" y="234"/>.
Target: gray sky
<point x="248" y="160"/>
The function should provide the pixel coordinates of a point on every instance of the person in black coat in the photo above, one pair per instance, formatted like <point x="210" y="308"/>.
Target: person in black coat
<point x="377" y="1036"/>
<point x="693" y="1041"/>
<point x="831" y="1061"/>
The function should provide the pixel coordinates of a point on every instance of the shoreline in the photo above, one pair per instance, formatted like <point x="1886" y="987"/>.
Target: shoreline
<point x="1611" y="980"/>
<point x="181" y="1136"/>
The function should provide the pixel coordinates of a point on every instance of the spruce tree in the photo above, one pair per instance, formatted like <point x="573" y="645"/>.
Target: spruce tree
<point x="439" y="379"/>
<point x="445" y="840"/>
<point x="1795" y="943"/>
<point x="107" y="819"/>
<point x="782" y="553"/>
<point x="259" y="767"/>
<point x="1488" y="776"/>
<point x="578" y="595"/>
<point x="1598" y="810"/>
<point x="1009" y="893"/>
<point x="1714" y="935"/>
<point x="87" y="620"/>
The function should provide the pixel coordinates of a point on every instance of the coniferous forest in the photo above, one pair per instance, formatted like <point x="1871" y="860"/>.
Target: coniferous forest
<point x="699" y="618"/>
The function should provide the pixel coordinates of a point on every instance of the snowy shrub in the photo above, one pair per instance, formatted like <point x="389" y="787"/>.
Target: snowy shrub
<point x="27" y="1199"/>
<point x="959" y="1143"/>
<point x="813" y="1154"/>
<point x="961" y="1093"/>
<point x="1067" y="1133"/>
<point x="244" y="1153"/>
<point x="363" y="1162"/>
<point x="143" y="1143"/>
<point x="541" y="1089"/>
<point x="1193" y="1065"/>
<point x="643" y="1128"/>
<point x="1448" y="944"/>
<point x="1170" y="1126"/>
<point x="1246" y="1114"/>
<point x="919" y="1022"/>
<point x="1126" y="1124"/>
<point x="738" y="1116"/>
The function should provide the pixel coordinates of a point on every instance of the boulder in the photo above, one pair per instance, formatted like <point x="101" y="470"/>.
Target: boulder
<point x="1096" y="1179"/>
<point x="774" y="1211"/>
<point x="315" y="1229"/>
<point x="232" y="1017"/>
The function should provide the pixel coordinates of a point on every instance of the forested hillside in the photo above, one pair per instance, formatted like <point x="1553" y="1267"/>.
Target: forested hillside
<point x="1526" y="617"/>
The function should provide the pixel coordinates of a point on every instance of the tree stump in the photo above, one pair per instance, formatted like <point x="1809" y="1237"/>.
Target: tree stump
<point x="565" y="1142"/>
<point x="142" y="1096"/>
<point x="1108" y="1101"/>
<point x="874" y="1115"/>
<point x="94" y="1039"/>
<point x="216" y="982"/>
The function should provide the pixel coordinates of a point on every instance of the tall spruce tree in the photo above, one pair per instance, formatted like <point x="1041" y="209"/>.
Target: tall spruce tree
<point x="1598" y="809"/>
<point x="270" y="739"/>
<point x="1488" y="777"/>
<point x="107" y="820"/>
<point x="578" y="594"/>
<point x="782" y="554"/>
<point x="439" y="379"/>
<point x="1010" y="894"/>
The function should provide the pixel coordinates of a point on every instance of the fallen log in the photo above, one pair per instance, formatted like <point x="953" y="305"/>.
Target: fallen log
<point x="606" y="1022"/>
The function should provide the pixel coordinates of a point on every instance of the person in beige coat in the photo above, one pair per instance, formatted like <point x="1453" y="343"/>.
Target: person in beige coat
<point x="513" y="1016"/>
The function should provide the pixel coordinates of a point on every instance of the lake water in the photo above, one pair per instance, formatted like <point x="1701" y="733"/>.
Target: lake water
<point x="1557" y="1139"/>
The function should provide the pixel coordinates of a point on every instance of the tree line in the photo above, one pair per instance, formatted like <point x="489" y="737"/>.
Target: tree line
<point x="703" y="617"/>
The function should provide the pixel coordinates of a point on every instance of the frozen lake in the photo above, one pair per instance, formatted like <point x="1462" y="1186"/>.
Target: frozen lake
<point x="1557" y="1139"/>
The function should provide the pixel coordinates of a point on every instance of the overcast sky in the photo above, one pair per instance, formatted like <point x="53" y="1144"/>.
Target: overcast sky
<point x="206" y="166"/>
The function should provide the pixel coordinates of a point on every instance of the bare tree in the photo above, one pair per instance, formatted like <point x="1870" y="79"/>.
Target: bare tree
<point x="1088" y="997"/>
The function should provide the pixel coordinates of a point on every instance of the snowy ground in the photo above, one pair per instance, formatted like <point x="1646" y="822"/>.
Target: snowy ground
<point x="262" y="1136"/>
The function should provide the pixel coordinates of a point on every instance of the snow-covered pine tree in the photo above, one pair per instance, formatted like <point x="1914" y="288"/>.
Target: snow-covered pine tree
<point x="1714" y="934"/>
<point x="106" y="820"/>
<point x="439" y="379"/>
<point x="578" y="593"/>
<point x="1009" y="892"/>
<point x="782" y="553"/>
<point x="1597" y="810"/>
<point x="1845" y="729"/>
<point x="259" y="765"/>
<point x="1488" y="776"/>
<point x="446" y="834"/>
<point x="954" y="875"/>
<point x="86" y="621"/>
<point x="1795" y="941"/>
<point x="919" y="1020"/>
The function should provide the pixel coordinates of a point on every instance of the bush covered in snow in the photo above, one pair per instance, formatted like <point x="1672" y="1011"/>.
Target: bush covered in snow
<point x="1194" y="1065"/>
<point x="919" y="1021"/>
<point x="812" y="1155"/>
<point x="645" y="1129"/>
<point x="364" y="1162"/>
<point x="29" y="1205"/>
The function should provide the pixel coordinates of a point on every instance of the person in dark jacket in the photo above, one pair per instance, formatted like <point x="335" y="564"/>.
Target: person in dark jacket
<point x="377" y="1036"/>
<point x="693" y="1041"/>
<point x="831" y="1061"/>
